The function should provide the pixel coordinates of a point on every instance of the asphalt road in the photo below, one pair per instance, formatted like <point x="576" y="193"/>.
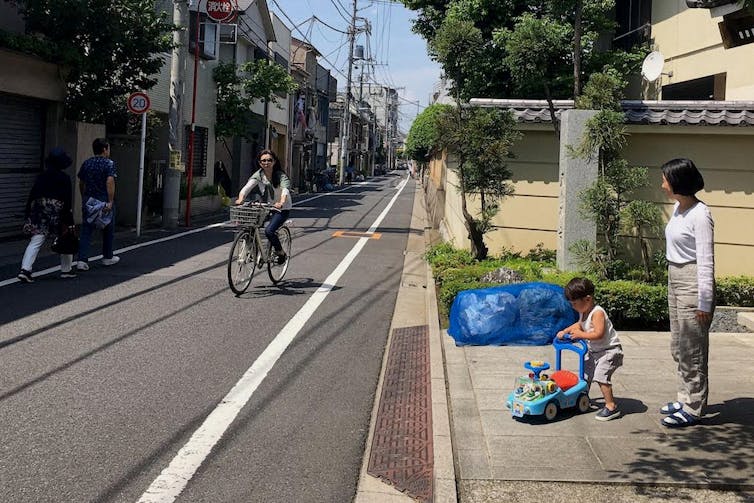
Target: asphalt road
<point x="104" y="378"/>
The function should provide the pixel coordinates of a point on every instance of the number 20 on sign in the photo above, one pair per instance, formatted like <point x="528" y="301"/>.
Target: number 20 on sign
<point x="138" y="103"/>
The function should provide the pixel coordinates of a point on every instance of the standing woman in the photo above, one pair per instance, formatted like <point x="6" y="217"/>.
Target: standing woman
<point x="691" y="289"/>
<point x="274" y="186"/>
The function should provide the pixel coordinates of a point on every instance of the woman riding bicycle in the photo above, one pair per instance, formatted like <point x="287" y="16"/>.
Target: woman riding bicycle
<point x="271" y="182"/>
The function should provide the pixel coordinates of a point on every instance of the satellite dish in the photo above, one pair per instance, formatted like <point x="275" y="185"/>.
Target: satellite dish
<point x="651" y="68"/>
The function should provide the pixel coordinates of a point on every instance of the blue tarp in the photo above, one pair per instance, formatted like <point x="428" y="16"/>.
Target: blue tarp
<point x="520" y="314"/>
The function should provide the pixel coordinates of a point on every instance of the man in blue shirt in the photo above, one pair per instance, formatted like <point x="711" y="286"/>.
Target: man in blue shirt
<point x="97" y="181"/>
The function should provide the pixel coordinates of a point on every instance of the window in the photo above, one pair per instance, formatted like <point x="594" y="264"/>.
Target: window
<point x="200" y="150"/>
<point x="737" y="29"/>
<point x="280" y="60"/>
<point x="207" y="36"/>
<point x="634" y="19"/>
<point x="707" y="88"/>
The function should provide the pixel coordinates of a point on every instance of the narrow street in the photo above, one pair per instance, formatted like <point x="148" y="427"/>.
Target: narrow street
<point x="105" y="378"/>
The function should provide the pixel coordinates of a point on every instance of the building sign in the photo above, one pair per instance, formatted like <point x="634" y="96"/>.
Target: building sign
<point x="221" y="10"/>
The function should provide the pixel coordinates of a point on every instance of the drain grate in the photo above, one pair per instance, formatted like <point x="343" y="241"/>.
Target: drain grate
<point x="402" y="453"/>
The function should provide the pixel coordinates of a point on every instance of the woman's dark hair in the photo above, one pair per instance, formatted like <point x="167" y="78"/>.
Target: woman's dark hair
<point x="99" y="145"/>
<point x="683" y="177"/>
<point x="277" y="169"/>
<point x="58" y="159"/>
<point x="578" y="288"/>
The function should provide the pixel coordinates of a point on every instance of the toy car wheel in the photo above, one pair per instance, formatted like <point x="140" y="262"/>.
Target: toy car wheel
<point x="551" y="410"/>
<point x="583" y="403"/>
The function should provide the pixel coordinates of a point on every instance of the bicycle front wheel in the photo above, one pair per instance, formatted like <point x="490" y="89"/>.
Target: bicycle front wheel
<point x="242" y="262"/>
<point x="275" y="270"/>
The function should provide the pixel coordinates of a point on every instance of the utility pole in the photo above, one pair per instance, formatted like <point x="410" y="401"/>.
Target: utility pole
<point x="345" y="121"/>
<point x="361" y="123"/>
<point x="172" y="180"/>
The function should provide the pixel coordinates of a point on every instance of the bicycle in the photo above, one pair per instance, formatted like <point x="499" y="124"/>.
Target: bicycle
<point x="246" y="253"/>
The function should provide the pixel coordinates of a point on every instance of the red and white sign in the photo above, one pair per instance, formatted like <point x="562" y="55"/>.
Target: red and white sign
<point x="138" y="103"/>
<point x="221" y="10"/>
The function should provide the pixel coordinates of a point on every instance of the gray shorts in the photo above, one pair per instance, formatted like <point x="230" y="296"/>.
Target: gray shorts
<point x="600" y="365"/>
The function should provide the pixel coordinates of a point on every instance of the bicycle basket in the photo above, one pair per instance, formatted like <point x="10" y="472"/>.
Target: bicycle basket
<point x="248" y="215"/>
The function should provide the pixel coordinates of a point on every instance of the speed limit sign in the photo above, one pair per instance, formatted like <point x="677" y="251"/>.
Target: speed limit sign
<point x="138" y="103"/>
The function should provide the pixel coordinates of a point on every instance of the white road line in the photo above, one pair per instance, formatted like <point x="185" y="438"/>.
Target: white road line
<point x="51" y="270"/>
<point x="174" y="478"/>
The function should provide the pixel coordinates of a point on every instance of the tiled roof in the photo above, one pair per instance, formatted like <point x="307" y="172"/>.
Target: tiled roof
<point x="691" y="113"/>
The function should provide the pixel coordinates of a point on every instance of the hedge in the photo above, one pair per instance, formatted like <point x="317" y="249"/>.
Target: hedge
<point x="630" y="304"/>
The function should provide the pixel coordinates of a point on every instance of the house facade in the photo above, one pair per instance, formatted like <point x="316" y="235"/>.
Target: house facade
<point x="707" y="46"/>
<point x="31" y="123"/>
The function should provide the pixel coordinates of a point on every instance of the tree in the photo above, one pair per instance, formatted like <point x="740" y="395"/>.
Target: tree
<point x="238" y="87"/>
<point x="106" y="49"/>
<point x="607" y="202"/>
<point x="511" y="44"/>
<point x="424" y="136"/>
<point x="482" y="139"/>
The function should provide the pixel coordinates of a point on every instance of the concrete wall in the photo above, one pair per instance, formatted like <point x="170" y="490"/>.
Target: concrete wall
<point x="724" y="156"/>
<point x="691" y="43"/>
<point x="530" y="216"/>
<point x="30" y="77"/>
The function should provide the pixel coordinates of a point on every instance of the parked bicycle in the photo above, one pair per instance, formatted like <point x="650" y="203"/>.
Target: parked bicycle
<point x="248" y="251"/>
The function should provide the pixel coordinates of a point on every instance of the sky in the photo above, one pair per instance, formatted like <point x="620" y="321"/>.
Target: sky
<point x="399" y="55"/>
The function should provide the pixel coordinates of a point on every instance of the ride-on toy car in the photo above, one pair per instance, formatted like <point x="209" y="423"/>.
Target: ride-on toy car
<point x="541" y="394"/>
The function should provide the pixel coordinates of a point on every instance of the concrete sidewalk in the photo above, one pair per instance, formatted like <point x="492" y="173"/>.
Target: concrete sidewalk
<point x="574" y="458"/>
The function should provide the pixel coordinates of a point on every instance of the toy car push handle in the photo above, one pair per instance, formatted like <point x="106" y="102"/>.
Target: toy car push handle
<point x="536" y="367"/>
<point x="567" y="343"/>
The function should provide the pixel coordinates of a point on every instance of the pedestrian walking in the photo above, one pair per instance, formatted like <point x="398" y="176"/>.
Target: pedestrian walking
<point x="690" y="252"/>
<point x="48" y="213"/>
<point x="222" y="178"/>
<point x="97" y="186"/>
<point x="605" y="352"/>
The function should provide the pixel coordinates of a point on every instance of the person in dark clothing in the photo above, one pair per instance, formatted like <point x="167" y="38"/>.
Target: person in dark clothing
<point x="222" y="178"/>
<point x="97" y="183"/>
<point x="48" y="210"/>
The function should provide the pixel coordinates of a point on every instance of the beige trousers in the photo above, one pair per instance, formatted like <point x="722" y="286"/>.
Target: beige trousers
<point x="689" y="343"/>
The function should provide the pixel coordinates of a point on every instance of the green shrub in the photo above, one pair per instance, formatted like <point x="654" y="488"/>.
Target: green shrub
<point x="444" y="256"/>
<point x="735" y="291"/>
<point x="633" y="304"/>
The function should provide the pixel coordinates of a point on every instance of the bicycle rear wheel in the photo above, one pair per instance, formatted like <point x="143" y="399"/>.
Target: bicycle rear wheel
<point x="242" y="262"/>
<point x="274" y="270"/>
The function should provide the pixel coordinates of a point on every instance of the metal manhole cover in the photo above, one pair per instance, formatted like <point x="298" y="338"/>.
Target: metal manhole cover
<point x="402" y="453"/>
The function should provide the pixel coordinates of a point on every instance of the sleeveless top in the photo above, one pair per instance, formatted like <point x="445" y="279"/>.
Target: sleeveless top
<point x="609" y="340"/>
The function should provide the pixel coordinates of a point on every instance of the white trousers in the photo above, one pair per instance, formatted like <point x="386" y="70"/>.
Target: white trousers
<point x="32" y="250"/>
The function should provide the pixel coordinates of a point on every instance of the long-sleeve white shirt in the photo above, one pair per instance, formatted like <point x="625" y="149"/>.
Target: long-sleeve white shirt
<point x="690" y="237"/>
<point x="259" y="178"/>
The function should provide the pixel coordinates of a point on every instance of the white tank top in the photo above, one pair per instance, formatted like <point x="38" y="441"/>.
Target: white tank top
<point x="610" y="339"/>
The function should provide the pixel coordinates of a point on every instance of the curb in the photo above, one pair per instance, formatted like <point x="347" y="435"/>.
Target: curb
<point x="374" y="490"/>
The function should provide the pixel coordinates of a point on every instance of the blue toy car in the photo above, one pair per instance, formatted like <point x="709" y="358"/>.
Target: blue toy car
<point x="541" y="394"/>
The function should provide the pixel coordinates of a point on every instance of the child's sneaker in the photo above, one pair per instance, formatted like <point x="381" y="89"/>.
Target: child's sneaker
<point x="82" y="266"/>
<point x="25" y="276"/>
<point x="606" y="414"/>
<point x="67" y="274"/>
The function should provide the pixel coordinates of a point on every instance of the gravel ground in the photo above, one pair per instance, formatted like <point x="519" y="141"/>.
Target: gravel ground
<point x="477" y="491"/>
<point x="725" y="321"/>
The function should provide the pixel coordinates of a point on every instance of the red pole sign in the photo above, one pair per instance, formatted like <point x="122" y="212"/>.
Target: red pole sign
<point x="138" y="103"/>
<point x="221" y="10"/>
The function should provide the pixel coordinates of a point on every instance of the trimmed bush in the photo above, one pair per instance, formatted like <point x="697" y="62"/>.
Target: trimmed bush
<point x="634" y="305"/>
<point x="631" y="305"/>
<point x="735" y="291"/>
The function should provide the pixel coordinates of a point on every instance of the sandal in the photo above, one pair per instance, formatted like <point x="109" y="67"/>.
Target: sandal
<point x="671" y="408"/>
<point x="680" y="419"/>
